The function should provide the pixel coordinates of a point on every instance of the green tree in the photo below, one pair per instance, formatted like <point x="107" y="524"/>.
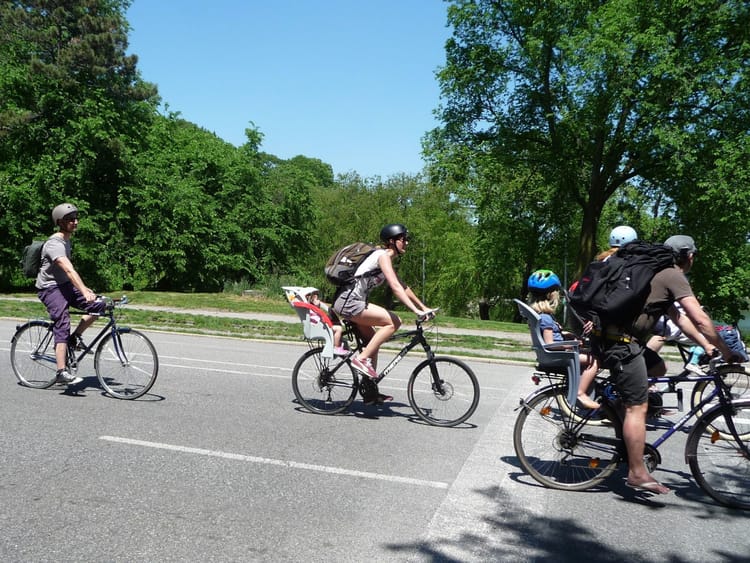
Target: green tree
<point x="72" y="106"/>
<point x="593" y="97"/>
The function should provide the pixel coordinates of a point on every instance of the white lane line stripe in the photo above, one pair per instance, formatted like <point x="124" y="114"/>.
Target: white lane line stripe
<point x="228" y="371"/>
<point x="279" y="462"/>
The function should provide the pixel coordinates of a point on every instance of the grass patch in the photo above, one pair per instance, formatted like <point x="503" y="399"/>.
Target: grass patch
<point x="469" y="345"/>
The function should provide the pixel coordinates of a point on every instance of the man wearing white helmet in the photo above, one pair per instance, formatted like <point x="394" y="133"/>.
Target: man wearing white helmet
<point x="60" y="287"/>
<point x="623" y="352"/>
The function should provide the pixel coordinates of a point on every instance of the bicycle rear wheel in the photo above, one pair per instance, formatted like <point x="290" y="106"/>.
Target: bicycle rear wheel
<point x="126" y="364"/>
<point x="32" y="355"/>
<point x="447" y="401"/>
<point x="323" y="385"/>
<point x="720" y="464"/>
<point x="559" y="450"/>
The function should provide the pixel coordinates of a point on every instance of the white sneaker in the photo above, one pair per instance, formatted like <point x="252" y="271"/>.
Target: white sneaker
<point x="64" y="376"/>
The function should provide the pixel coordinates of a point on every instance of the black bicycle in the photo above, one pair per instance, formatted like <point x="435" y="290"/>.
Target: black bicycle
<point x="125" y="360"/>
<point x="562" y="449"/>
<point x="443" y="391"/>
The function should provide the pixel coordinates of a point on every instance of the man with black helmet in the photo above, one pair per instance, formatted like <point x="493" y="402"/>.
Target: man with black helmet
<point x="623" y="354"/>
<point x="351" y="301"/>
<point x="60" y="287"/>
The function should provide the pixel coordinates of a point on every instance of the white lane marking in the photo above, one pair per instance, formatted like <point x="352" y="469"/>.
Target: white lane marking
<point x="282" y="463"/>
<point x="227" y="371"/>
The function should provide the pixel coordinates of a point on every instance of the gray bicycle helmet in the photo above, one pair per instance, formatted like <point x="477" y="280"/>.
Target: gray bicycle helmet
<point x="62" y="210"/>
<point x="392" y="231"/>
<point x="682" y="245"/>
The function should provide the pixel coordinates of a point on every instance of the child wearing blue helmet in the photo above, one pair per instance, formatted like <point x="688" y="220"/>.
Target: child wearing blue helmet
<point x="544" y="288"/>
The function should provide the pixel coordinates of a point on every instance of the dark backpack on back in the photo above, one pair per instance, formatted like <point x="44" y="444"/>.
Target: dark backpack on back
<point x="341" y="267"/>
<point x="31" y="258"/>
<point x="614" y="291"/>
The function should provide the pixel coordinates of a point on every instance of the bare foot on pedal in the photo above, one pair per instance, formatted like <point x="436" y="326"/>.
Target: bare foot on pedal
<point x="587" y="402"/>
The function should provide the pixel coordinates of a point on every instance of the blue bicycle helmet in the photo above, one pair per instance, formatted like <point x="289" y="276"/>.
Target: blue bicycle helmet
<point x="543" y="281"/>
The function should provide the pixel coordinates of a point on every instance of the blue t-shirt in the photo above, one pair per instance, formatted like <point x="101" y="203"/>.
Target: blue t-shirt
<point x="546" y="322"/>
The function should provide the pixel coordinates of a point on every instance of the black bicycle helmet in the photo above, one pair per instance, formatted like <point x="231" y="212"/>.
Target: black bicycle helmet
<point x="62" y="210"/>
<point x="392" y="231"/>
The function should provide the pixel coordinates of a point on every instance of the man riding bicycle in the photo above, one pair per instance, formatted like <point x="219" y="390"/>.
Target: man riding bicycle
<point x="60" y="287"/>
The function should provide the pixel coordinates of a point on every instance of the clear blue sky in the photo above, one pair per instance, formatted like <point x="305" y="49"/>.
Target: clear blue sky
<point x="351" y="82"/>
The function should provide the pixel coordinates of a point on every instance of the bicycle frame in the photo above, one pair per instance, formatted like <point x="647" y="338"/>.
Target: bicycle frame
<point x="417" y="338"/>
<point x="110" y="327"/>
<point x="720" y="389"/>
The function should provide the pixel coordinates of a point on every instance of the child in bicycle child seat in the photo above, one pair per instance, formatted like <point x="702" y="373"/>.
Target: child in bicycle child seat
<point x="60" y="287"/>
<point x="544" y="289"/>
<point x="314" y="299"/>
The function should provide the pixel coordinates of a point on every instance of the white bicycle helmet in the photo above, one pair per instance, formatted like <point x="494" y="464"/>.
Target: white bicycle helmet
<point x="622" y="235"/>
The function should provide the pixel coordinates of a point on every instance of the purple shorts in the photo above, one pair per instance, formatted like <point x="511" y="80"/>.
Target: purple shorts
<point x="58" y="300"/>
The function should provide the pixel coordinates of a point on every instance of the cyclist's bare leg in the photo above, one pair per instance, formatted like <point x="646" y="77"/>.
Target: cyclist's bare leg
<point x="375" y="316"/>
<point x="590" y="366"/>
<point x="85" y="322"/>
<point x="634" y="434"/>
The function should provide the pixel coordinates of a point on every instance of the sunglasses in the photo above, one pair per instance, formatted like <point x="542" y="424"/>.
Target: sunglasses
<point x="70" y="219"/>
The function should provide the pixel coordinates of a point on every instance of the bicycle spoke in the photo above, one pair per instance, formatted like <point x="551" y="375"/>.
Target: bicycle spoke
<point x="126" y="364"/>
<point x="559" y="451"/>
<point x="719" y="463"/>
<point x="448" y="400"/>
<point x="32" y="355"/>
<point x="323" y="385"/>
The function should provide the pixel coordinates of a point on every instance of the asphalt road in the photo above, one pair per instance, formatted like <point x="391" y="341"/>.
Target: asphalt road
<point x="218" y="463"/>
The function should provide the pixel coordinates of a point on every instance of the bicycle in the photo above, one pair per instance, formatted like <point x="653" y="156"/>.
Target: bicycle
<point x="442" y="391"/>
<point x="562" y="450"/>
<point x="125" y="360"/>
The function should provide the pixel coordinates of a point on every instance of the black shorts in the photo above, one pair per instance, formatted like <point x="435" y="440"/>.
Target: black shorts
<point x="627" y="368"/>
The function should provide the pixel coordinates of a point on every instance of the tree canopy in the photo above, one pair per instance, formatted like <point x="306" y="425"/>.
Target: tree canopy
<point x="565" y="111"/>
<point x="559" y="120"/>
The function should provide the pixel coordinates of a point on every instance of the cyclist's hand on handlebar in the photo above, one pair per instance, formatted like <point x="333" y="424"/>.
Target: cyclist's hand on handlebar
<point x="427" y="315"/>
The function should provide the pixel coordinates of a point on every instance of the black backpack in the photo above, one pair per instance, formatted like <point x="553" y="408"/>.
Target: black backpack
<point x="614" y="291"/>
<point x="343" y="264"/>
<point x="31" y="258"/>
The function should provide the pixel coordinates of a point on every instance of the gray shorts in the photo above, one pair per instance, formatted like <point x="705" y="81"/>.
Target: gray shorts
<point x="348" y="305"/>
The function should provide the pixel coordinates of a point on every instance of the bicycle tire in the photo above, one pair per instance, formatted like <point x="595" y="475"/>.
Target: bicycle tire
<point x="578" y="413"/>
<point x="734" y="375"/>
<point x="126" y="364"/>
<point x="32" y="355"/>
<point x="453" y="402"/>
<point x="559" y="452"/>
<point x="324" y="385"/>
<point x="718" y="463"/>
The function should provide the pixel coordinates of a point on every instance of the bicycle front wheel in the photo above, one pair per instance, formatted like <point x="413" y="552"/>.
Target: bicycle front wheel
<point x="719" y="463"/>
<point x="323" y="385"/>
<point x="32" y="355"/>
<point x="733" y="375"/>
<point x="559" y="450"/>
<point x="126" y="364"/>
<point x="443" y="391"/>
